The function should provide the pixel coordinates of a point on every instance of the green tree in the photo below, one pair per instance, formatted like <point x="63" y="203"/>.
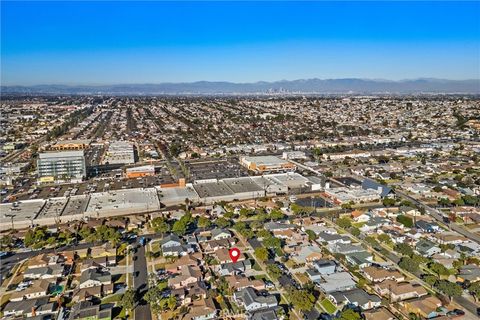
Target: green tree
<point x="297" y="209"/>
<point x="408" y="264"/>
<point x="439" y="269"/>
<point x="223" y="223"/>
<point x="274" y="271"/>
<point x="355" y="231"/>
<point x="262" y="233"/>
<point x="404" y="249"/>
<point x="449" y="288"/>
<point x="349" y="314"/>
<point x="153" y="297"/>
<point x="180" y="227"/>
<point x="444" y="202"/>
<point x="301" y="300"/>
<point x="128" y="299"/>
<point x="388" y="202"/>
<point x="406" y="221"/>
<point x="272" y="242"/>
<point x="204" y="222"/>
<point x="245" y="213"/>
<point x="311" y="235"/>
<point x="6" y="241"/>
<point x="431" y="280"/>
<point x="474" y="289"/>
<point x="384" y="238"/>
<point x="261" y="253"/>
<point x="160" y="225"/>
<point x="276" y="215"/>
<point x="344" y="223"/>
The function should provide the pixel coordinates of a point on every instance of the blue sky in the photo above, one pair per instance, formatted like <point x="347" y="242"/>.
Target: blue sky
<point x="153" y="42"/>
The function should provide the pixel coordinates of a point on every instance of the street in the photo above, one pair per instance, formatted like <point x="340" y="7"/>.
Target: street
<point x="140" y="283"/>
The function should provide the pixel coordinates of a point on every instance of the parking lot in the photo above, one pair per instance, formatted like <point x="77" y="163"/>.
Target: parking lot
<point x="216" y="169"/>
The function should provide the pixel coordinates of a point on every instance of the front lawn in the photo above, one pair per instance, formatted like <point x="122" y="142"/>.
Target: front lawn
<point x="328" y="306"/>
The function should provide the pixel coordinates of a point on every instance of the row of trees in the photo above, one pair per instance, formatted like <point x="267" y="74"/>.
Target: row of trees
<point x="466" y="200"/>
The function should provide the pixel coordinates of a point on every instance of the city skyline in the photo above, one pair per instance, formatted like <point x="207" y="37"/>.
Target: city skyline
<point x="114" y="43"/>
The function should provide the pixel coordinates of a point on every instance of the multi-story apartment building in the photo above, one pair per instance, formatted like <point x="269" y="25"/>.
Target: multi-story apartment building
<point x="61" y="166"/>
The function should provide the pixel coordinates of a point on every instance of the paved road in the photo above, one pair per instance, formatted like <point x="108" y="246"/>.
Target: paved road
<point x="140" y="283"/>
<point x="6" y="264"/>
<point x="439" y="217"/>
<point x="467" y="304"/>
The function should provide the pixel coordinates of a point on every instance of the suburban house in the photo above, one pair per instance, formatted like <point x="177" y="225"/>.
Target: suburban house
<point x="266" y="314"/>
<point x="251" y="300"/>
<point x="218" y="234"/>
<point x="202" y="309"/>
<point x="375" y="274"/>
<point x="375" y="223"/>
<point x="177" y="251"/>
<point x="240" y="282"/>
<point x="332" y="238"/>
<point x="379" y="314"/>
<point x="361" y="259"/>
<point x="90" y="293"/>
<point x="27" y="308"/>
<point x="88" y="310"/>
<point x="234" y="268"/>
<point x="469" y="272"/>
<point x="188" y="275"/>
<point x="38" y="288"/>
<point x="91" y="278"/>
<point x="425" y="307"/>
<point x="383" y="190"/>
<point x="339" y="281"/>
<point x="213" y="245"/>
<point x="344" y="248"/>
<point x="360" y="216"/>
<point x="429" y="227"/>
<point x="427" y="248"/>
<point x="357" y="297"/>
<point x="187" y="260"/>
<point x="272" y="226"/>
<point x="325" y="266"/>
<point x="223" y="256"/>
<point x="399" y="291"/>
<point x="307" y="254"/>
<point x="48" y="272"/>
<point x="169" y="241"/>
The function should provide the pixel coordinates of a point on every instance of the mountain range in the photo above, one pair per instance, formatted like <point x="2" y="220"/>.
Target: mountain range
<point x="302" y="86"/>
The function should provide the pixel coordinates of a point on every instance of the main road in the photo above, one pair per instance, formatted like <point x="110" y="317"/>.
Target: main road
<point x="439" y="217"/>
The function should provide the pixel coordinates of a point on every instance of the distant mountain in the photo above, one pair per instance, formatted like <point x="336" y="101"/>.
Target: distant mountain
<point x="308" y="86"/>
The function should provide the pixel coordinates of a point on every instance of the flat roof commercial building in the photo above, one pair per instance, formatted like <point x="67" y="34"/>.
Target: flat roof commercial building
<point x="71" y="145"/>
<point x="266" y="164"/>
<point x="119" y="152"/>
<point x="59" y="166"/>
<point x="138" y="172"/>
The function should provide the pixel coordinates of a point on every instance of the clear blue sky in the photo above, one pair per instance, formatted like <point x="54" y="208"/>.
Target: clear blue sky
<point x="153" y="42"/>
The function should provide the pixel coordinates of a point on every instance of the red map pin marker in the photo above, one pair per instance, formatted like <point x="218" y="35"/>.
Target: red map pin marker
<point x="234" y="254"/>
